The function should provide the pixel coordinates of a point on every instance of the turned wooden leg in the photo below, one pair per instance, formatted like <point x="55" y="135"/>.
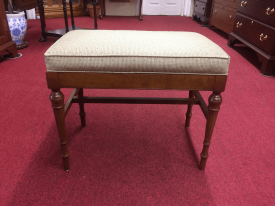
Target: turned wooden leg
<point x="81" y="109"/>
<point x="57" y="99"/>
<point x="189" y="111"/>
<point x="215" y="101"/>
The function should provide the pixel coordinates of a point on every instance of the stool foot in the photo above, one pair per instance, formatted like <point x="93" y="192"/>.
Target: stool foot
<point x="82" y="113"/>
<point x="57" y="99"/>
<point x="215" y="101"/>
<point x="189" y="111"/>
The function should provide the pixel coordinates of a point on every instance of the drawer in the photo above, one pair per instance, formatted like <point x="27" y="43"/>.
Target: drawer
<point x="200" y="7"/>
<point x="24" y="4"/>
<point x="205" y="1"/>
<point x="251" y="30"/>
<point x="261" y="10"/>
<point x="224" y="27"/>
<point x="224" y="15"/>
<point x="230" y="3"/>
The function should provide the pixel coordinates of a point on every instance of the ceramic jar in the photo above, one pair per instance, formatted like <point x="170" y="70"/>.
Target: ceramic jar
<point x="18" y="27"/>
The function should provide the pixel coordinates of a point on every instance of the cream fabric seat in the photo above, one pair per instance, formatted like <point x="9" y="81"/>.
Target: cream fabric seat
<point x="164" y="52"/>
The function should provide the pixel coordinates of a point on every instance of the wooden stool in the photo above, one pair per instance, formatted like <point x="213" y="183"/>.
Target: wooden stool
<point x="136" y="60"/>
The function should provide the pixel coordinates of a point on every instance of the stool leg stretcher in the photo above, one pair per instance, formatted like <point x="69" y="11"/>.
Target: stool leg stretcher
<point x="61" y="110"/>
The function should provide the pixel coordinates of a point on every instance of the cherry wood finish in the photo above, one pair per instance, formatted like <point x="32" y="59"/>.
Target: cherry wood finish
<point x="202" y="11"/>
<point x="223" y="15"/>
<point x="255" y="27"/>
<point x="193" y="83"/>
<point x="57" y="99"/>
<point x="6" y="43"/>
<point x="215" y="101"/>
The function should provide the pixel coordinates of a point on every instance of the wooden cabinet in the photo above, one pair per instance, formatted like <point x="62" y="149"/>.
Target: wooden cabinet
<point x="22" y="4"/>
<point x="6" y="44"/>
<point x="255" y="27"/>
<point x="202" y="9"/>
<point x="223" y="15"/>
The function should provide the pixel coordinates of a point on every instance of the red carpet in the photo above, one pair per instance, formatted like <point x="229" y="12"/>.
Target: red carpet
<point x="135" y="154"/>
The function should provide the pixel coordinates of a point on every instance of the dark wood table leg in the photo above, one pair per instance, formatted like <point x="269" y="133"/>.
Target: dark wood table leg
<point x="42" y="20"/>
<point x="57" y="99"/>
<point x="82" y="113"/>
<point x="72" y="14"/>
<point x="101" y="9"/>
<point x="104" y="8"/>
<point x="215" y="101"/>
<point x="95" y="17"/>
<point x="140" y="7"/>
<point x="189" y="111"/>
<point x="65" y="15"/>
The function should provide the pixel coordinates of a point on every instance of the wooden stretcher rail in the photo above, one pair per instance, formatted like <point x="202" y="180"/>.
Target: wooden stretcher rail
<point x="135" y="100"/>
<point x="202" y="104"/>
<point x="68" y="104"/>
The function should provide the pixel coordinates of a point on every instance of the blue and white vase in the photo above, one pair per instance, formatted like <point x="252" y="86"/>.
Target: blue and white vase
<point x="18" y="29"/>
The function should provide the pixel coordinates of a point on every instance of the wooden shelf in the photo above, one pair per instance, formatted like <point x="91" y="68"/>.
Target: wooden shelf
<point x="56" y="11"/>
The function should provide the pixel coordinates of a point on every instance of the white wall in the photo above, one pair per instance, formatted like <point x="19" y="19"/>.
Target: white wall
<point x="128" y="8"/>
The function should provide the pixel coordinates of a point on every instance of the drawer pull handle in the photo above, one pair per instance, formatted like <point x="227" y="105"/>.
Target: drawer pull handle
<point x="262" y="38"/>
<point x="252" y="22"/>
<point x="269" y="12"/>
<point x="215" y="12"/>
<point x="239" y="25"/>
<point x="243" y="3"/>
<point x="230" y="17"/>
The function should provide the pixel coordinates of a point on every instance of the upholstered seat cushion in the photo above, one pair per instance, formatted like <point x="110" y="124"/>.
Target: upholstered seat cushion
<point x="163" y="52"/>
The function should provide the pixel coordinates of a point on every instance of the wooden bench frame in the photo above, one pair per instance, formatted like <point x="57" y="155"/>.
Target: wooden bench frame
<point x="193" y="83"/>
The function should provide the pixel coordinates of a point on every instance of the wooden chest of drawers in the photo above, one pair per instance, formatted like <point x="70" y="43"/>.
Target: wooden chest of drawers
<point x="223" y="15"/>
<point x="255" y="27"/>
<point x="202" y="9"/>
<point x="6" y="44"/>
<point x="22" y="4"/>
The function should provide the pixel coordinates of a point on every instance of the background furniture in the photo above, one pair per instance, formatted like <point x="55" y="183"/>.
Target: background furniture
<point x="6" y="44"/>
<point x="59" y="32"/>
<point x="22" y="4"/>
<point x="223" y="15"/>
<point x="255" y="27"/>
<point x="54" y="9"/>
<point x="140" y="7"/>
<point x="202" y="11"/>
